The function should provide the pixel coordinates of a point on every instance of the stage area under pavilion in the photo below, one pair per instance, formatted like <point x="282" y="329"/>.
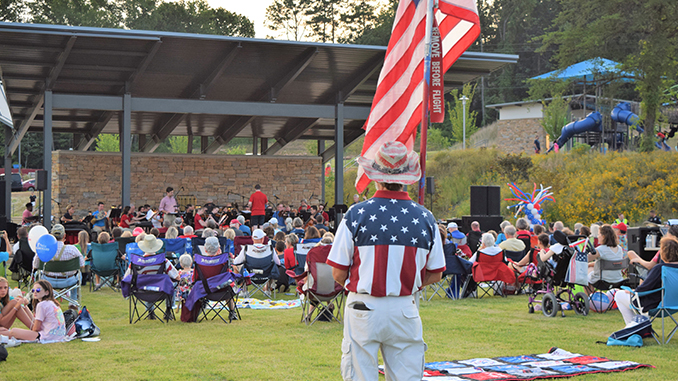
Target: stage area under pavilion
<point x="88" y="81"/>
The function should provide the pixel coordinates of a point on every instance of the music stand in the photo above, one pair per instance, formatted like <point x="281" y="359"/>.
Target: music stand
<point x="115" y="213"/>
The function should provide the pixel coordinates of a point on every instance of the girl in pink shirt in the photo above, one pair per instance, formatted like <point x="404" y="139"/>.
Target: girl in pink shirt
<point x="48" y="321"/>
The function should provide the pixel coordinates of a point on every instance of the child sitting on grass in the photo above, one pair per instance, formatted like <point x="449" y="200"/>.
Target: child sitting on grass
<point x="48" y="322"/>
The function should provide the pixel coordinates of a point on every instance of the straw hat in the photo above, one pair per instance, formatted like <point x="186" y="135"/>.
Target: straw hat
<point x="392" y="164"/>
<point x="150" y="244"/>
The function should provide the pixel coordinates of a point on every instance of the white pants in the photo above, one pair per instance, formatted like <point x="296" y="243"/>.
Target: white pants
<point x="623" y="300"/>
<point x="393" y="326"/>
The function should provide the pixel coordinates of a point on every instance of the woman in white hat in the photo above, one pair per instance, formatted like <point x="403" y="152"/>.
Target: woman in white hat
<point x="150" y="245"/>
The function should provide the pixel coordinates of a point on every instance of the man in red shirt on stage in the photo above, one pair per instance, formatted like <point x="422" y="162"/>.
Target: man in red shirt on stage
<point x="257" y="205"/>
<point x="386" y="249"/>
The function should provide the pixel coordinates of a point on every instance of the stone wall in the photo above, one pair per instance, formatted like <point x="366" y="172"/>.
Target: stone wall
<point x="512" y="136"/>
<point x="84" y="178"/>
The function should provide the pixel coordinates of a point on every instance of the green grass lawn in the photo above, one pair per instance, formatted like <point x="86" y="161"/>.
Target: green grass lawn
<point x="274" y="345"/>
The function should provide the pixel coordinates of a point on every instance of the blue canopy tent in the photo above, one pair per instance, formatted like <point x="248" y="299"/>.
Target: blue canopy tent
<point x="588" y="71"/>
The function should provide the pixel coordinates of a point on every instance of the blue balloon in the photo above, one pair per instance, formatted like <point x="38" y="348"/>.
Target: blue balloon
<point x="46" y="247"/>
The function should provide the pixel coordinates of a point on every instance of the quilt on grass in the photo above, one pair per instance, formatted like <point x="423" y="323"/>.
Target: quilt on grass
<point x="554" y="364"/>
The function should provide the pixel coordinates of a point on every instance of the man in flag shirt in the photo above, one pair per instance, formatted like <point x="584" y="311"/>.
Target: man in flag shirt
<point x="386" y="249"/>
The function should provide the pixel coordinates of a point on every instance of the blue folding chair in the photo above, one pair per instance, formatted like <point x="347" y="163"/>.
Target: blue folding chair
<point x="219" y="291"/>
<point x="669" y="302"/>
<point x="105" y="263"/>
<point x="174" y="247"/>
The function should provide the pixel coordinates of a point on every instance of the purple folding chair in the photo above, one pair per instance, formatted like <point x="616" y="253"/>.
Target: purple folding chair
<point x="215" y="287"/>
<point x="152" y="288"/>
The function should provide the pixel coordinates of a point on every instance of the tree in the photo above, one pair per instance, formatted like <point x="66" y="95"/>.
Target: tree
<point x="555" y="116"/>
<point x="288" y="18"/>
<point x="457" y="113"/>
<point x="108" y="143"/>
<point x="95" y="13"/>
<point x="380" y="32"/>
<point x="641" y="34"/>
<point x="12" y="10"/>
<point x="324" y="19"/>
<point x="358" y="17"/>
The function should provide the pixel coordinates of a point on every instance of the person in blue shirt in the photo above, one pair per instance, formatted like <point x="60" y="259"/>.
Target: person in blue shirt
<point x="244" y="228"/>
<point x="99" y="221"/>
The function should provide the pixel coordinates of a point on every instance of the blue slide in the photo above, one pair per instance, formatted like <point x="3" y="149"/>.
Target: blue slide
<point x="622" y="113"/>
<point x="592" y="122"/>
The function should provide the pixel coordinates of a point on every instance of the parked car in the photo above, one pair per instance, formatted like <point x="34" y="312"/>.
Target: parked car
<point x="28" y="185"/>
<point x="16" y="182"/>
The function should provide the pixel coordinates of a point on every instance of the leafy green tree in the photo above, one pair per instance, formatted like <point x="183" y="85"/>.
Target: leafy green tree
<point x="641" y="34"/>
<point x="324" y="19"/>
<point x="555" y="116"/>
<point x="12" y="10"/>
<point x="95" y="13"/>
<point x="357" y="17"/>
<point x="436" y="140"/>
<point x="288" y="18"/>
<point x="108" y="143"/>
<point x="456" y="112"/>
<point x="380" y="32"/>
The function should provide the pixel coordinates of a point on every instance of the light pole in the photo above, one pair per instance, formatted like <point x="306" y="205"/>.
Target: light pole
<point x="463" y="100"/>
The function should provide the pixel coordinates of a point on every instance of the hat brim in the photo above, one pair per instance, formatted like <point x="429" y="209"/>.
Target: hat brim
<point x="150" y="248"/>
<point x="410" y="177"/>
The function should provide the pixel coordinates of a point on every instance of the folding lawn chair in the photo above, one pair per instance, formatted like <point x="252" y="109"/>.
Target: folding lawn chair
<point x="105" y="263"/>
<point x="491" y="271"/>
<point x="263" y="273"/>
<point x="601" y="285"/>
<point x="322" y="297"/>
<point x="668" y="305"/>
<point x="150" y="290"/>
<point x="300" y="254"/>
<point x="456" y="272"/>
<point x="219" y="291"/>
<point x="22" y="264"/>
<point x="174" y="247"/>
<point x="62" y="267"/>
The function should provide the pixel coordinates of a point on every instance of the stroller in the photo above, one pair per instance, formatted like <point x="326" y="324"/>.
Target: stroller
<point x="555" y="290"/>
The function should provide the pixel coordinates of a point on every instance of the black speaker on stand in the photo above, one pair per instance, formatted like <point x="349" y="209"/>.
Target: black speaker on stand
<point x="41" y="179"/>
<point x="493" y="201"/>
<point x="430" y="190"/>
<point x="478" y="200"/>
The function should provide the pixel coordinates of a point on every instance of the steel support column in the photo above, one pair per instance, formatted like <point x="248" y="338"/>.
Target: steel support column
<point x="255" y="145"/>
<point x="126" y="148"/>
<point x="47" y="160"/>
<point x="8" y="170"/>
<point x="339" y="158"/>
<point x="321" y="149"/>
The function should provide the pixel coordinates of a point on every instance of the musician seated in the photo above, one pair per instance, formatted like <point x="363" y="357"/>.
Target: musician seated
<point x="100" y="218"/>
<point x="198" y="222"/>
<point x="68" y="216"/>
<point x="28" y="217"/>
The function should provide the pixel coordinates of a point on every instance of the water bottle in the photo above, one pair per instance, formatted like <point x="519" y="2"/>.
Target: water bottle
<point x="648" y="241"/>
<point x="189" y="246"/>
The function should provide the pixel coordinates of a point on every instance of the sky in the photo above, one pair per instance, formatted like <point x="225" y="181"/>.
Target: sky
<point x="255" y="10"/>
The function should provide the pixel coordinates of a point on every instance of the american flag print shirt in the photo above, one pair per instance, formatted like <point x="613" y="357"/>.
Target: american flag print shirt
<point x="387" y="244"/>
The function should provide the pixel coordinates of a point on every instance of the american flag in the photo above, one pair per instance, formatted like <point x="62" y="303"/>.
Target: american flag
<point x="391" y="242"/>
<point x="397" y="105"/>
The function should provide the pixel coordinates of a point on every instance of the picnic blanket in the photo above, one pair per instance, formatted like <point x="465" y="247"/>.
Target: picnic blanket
<point x="268" y="304"/>
<point x="556" y="363"/>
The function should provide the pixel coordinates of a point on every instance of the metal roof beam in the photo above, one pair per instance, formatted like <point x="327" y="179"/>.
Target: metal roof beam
<point x="359" y="77"/>
<point x="329" y="152"/>
<point x="305" y="60"/>
<point x="38" y="103"/>
<point x="200" y="91"/>
<point x="88" y="138"/>
<point x="108" y="52"/>
<point x="229" y="132"/>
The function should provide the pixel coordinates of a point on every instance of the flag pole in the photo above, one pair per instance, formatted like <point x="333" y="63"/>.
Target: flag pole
<point x="427" y="84"/>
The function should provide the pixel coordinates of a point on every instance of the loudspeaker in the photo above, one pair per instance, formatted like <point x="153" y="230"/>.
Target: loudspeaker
<point x="493" y="200"/>
<point x="3" y="195"/>
<point x="478" y="200"/>
<point x="430" y="185"/>
<point x="486" y="222"/>
<point x="41" y="179"/>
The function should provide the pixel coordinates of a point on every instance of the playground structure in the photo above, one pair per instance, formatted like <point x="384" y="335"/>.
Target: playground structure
<point x="612" y="122"/>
